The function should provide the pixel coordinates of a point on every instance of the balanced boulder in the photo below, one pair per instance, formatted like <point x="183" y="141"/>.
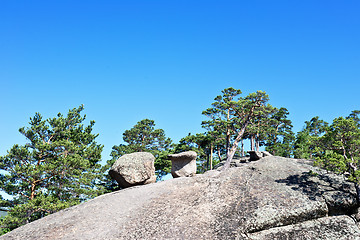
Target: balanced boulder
<point x="183" y="164"/>
<point x="134" y="169"/>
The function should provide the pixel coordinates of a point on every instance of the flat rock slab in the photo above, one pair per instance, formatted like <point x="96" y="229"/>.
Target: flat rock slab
<point x="260" y="200"/>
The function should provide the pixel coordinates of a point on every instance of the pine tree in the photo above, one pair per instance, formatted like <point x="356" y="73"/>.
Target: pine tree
<point x="339" y="150"/>
<point x="306" y="139"/>
<point x="202" y="144"/>
<point x="232" y="114"/>
<point x="143" y="137"/>
<point x="280" y="137"/>
<point x="57" y="168"/>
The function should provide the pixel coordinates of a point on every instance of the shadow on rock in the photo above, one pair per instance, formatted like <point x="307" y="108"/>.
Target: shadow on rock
<point x="338" y="193"/>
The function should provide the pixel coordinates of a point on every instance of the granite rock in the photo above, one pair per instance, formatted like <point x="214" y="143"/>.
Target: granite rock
<point x="183" y="164"/>
<point x="272" y="198"/>
<point x="134" y="169"/>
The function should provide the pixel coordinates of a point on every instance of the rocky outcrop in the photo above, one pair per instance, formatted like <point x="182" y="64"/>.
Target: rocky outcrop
<point x="134" y="169"/>
<point x="251" y="156"/>
<point x="256" y="155"/>
<point x="336" y="227"/>
<point x="183" y="164"/>
<point x="235" y="162"/>
<point x="272" y="198"/>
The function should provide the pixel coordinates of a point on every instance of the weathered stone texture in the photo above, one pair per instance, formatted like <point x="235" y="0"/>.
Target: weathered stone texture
<point x="183" y="164"/>
<point x="134" y="169"/>
<point x="337" y="227"/>
<point x="272" y="198"/>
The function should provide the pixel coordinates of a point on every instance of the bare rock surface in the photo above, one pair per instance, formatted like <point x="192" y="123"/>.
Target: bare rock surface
<point x="322" y="228"/>
<point x="272" y="198"/>
<point x="134" y="169"/>
<point x="183" y="164"/>
<point x="256" y="155"/>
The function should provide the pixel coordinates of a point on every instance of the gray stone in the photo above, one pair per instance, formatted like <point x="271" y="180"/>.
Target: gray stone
<point x="183" y="164"/>
<point x="244" y="159"/>
<point x="235" y="162"/>
<point x="322" y="228"/>
<point x="272" y="198"/>
<point x="134" y="169"/>
<point x="266" y="154"/>
<point x="255" y="155"/>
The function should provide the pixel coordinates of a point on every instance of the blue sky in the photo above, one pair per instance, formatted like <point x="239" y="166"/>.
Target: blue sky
<point x="167" y="60"/>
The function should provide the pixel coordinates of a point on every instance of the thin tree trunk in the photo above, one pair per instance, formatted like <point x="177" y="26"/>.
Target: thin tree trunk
<point x="237" y="140"/>
<point x="252" y="143"/>
<point x="219" y="154"/>
<point x="207" y="162"/>
<point x="32" y="195"/>
<point x="228" y="134"/>
<point x="234" y="147"/>
<point x="242" y="148"/>
<point x="211" y="156"/>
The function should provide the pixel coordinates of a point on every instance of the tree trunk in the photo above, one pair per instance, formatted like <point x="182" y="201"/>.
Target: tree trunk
<point x="219" y="154"/>
<point x="228" y="134"/>
<point x="33" y="185"/>
<point x="234" y="147"/>
<point x="207" y="162"/>
<point x="227" y="144"/>
<point x="252" y="143"/>
<point x="242" y="148"/>
<point x="257" y="141"/>
<point x="211" y="156"/>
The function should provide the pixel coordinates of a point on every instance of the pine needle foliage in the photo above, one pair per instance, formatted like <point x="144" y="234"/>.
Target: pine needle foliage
<point x="57" y="168"/>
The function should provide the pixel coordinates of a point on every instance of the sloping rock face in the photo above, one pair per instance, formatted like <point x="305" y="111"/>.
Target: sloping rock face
<point x="273" y="198"/>
<point x="134" y="169"/>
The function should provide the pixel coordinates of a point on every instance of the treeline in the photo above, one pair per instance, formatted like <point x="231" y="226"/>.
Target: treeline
<point x="60" y="166"/>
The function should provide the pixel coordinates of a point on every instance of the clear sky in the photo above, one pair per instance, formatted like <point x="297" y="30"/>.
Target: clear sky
<point x="167" y="60"/>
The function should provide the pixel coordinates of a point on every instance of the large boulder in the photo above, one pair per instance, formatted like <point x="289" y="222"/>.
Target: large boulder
<point x="183" y="164"/>
<point x="272" y="198"/>
<point x="134" y="169"/>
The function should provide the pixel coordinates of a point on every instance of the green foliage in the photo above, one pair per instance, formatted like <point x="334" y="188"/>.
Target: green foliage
<point x="57" y="168"/>
<point x="355" y="115"/>
<point x="201" y="143"/>
<point x="305" y="145"/>
<point x="222" y="124"/>
<point x="339" y="149"/>
<point x="143" y="137"/>
<point x="230" y="115"/>
<point x="279" y="134"/>
<point x="260" y="127"/>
